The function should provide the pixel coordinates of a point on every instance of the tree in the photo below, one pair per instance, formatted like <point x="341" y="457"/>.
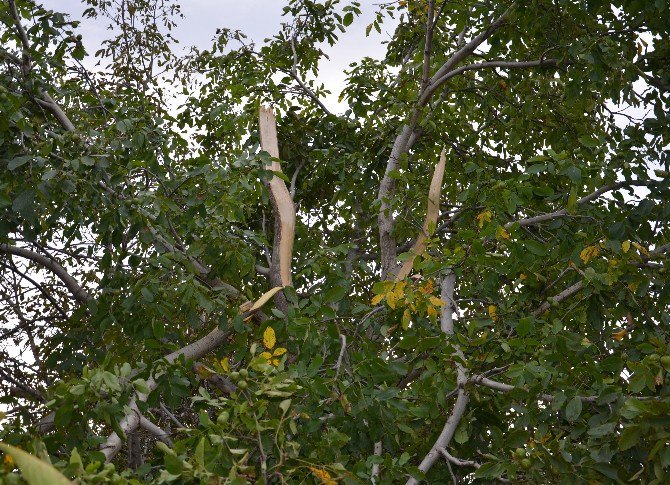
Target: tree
<point x="461" y="277"/>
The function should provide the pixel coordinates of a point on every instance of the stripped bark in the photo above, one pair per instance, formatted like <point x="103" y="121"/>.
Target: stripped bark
<point x="432" y="213"/>
<point x="282" y="205"/>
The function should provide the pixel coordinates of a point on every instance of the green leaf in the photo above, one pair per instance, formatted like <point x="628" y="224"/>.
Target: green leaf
<point x="348" y="18"/>
<point x="606" y="469"/>
<point x="524" y="326"/>
<point x="536" y="247"/>
<point x="537" y="168"/>
<point x="630" y="437"/>
<point x="147" y="294"/>
<point x="573" y="409"/>
<point x="15" y="163"/>
<point x="588" y="141"/>
<point x="489" y="470"/>
<point x="572" y="200"/>
<point x="336" y="293"/>
<point x="34" y="470"/>
<point x="602" y="430"/>
<point x="284" y="405"/>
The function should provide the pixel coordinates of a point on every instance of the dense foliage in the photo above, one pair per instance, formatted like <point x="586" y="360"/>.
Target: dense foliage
<point x="501" y="313"/>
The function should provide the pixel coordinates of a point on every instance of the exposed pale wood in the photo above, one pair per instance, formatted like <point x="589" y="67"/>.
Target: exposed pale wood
<point x="432" y="213"/>
<point x="282" y="204"/>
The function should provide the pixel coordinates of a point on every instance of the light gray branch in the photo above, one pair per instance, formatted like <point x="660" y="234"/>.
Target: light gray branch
<point x="529" y="221"/>
<point x="463" y="397"/>
<point x="375" y="467"/>
<point x="495" y="64"/>
<point x="156" y="431"/>
<point x="563" y="295"/>
<point x="131" y="420"/>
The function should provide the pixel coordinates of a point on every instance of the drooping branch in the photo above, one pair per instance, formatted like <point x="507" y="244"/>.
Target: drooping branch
<point x="49" y="104"/>
<point x="77" y="291"/>
<point x="282" y="204"/>
<point x="563" y="295"/>
<point x="432" y="213"/>
<point x="131" y="421"/>
<point x="502" y="387"/>
<point x="306" y="89"/>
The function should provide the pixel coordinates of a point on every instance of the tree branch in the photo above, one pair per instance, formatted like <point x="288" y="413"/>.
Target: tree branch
<point x="294" y="74"/>
<point x="529" y="221"/>
<point x="79" y="293"/>
<point x="283" y="207"/>
<point x="463" y="398"/>
<point x="492" y="65"/>
<point x="432" y="213"/>
<point x="461" y="54"/>
<point x="156" y="431"/>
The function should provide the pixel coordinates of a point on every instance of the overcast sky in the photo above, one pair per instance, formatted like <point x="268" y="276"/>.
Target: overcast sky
<point x="258" y="19"/>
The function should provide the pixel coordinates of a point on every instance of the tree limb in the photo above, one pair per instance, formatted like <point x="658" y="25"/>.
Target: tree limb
<point x="495" y="64"/>
<point x="155" y="430"/>
<point x="283" y="207"/>
<point x="432" y="212"/>
<point x="529" y="221"/>
<point x="79" y="293"/>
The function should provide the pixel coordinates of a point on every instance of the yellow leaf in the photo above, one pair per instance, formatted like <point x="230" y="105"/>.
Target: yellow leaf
<point x="275" y="362"/>
<point x="523" y="276"/>
<point x="588" y="253"/>
<point x="392" y="299"/>
<point x="279" y="351"/>
<point x="266" y="355"/>
<point x="431" y="311"/>
<point x="501" y="233"/>
<point x="625" y="246"/>
<point x="323" y="476"/>
<point x="406" y="316"/>
<point x="641" y="248"/>
<point x="483" y="217"/>
<point x="427" y="288"/>
<point x="8" y="462"/>
<point x="436" y="301"/>
<point x="203" y="372"/>
<point x="492" y="312"/>
<point x="265" y="298"/>
<point x="377" y="299"/>
<point x="269" y="338"/>
<point x="620" y="334"/>
<point x="225" y="364"/>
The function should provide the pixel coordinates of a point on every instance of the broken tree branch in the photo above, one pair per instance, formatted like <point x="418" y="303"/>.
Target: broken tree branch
<point x="283" y="207"/>
<point x="432" y="213"/>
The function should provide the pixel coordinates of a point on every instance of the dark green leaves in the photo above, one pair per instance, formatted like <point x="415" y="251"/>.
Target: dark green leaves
<point x="573" y="409"/>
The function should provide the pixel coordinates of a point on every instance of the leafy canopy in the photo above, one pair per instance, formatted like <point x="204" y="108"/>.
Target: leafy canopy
<point x="148" y="335"/>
